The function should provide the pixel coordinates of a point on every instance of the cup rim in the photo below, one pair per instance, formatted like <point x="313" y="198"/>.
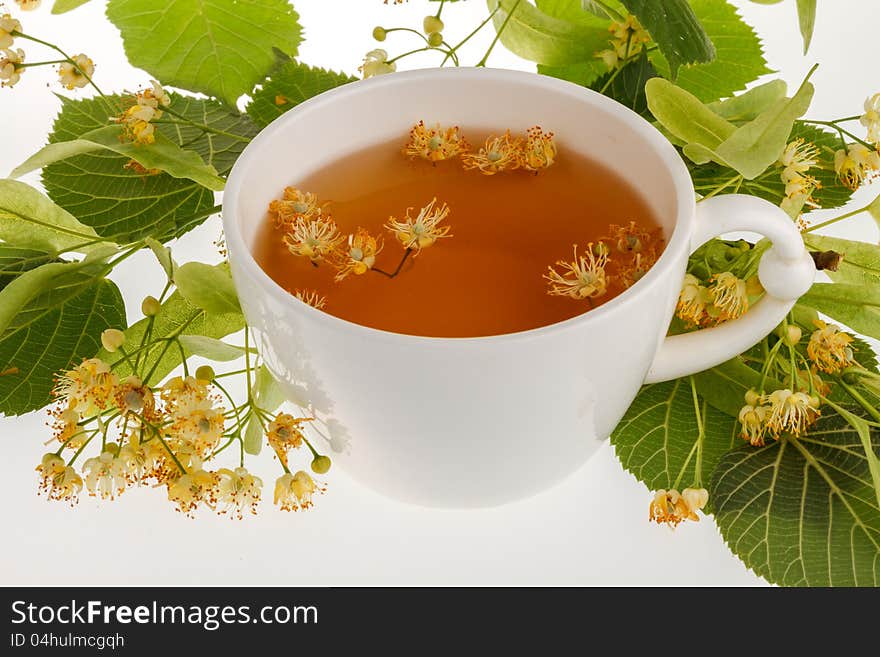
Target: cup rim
<point x="677" y="243"/>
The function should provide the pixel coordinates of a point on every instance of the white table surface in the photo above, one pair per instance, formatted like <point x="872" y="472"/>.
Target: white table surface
<point x="592" y="529"/>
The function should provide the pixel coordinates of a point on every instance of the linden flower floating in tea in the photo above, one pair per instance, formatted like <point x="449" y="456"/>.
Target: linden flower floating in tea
<point x="310" y="232"/>
<point x="422" y="231"/>
<point x="534" y="151"/>
<point x="435" y="144"/>
<point x="315" y="239"/>
<point x="582" y="278"/>
<point x="311" y="297"/>
<point x="359" y="255"/>
<point x="294" y="206"/>
<point x="502" y="153"/>
<point x="632" y="252"/>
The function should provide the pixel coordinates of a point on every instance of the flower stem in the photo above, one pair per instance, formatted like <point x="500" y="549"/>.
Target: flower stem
<point x="399" y="266"/>
<point x="67" y="58"/>
<point x="479" y="27"/>
<point x="501" y="29"/>
<point x="833" y="124"/>
<point x="864" y="403"/>
<point x="840" y="218"/>
<point x="46" y="63"/>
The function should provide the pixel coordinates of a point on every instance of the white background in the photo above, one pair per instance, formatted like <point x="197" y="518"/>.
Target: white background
<point x="592" y="529"/>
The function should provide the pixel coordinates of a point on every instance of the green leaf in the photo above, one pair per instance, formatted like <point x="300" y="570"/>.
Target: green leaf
<point x="861" y="260"/>
<point x="874" y="210"/>
<point x="210" y="348"/>
<point x="769" y="185"/>
<point x="806" y="20"/>
<point x="749" y="104"/>
<point x="753" y="147"/>
<point x="163" y="255"/>
<point x="857" y="306"/>
<point x="209" y="288"/>
<point x="29" y="219"/>
<point x="15" y="260"/>
<point x="48" y="284"/>
<point x="739" y="58"/>
<point x="540" y="37"/>
<point x="628" y="85"/>
<point x="163" y="155"/>
<point x="118" y="203"/>
<point x="802" y="512"/>
<point x="63" y="6"/>
<point x="219" y="150"/>
<point x="268" y="396"/>
<point x="724" y="387"/>
<point x="685" y="116"/>
<point x="676" y="30"/>
<point x="177" y="316"/>
<point x="612" y="9"/>
<point x="655" y="440"/>
<point x="586" y="72"/>
<point x="51" y="317"/>
<point x="290" y="85"/>
<point x="219" y="47"/>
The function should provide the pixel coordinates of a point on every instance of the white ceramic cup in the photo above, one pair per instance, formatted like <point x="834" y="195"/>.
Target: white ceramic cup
<point x="462" y="422"/>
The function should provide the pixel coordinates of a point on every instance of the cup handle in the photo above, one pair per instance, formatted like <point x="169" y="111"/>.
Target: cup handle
<point x="786" y="272"/>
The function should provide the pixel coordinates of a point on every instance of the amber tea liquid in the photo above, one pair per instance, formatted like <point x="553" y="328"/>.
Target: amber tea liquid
<point x="487" y="279"/>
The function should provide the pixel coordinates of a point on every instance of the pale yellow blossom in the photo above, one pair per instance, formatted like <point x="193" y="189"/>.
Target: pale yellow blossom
<point x="76" y="73"/>
<point x="424" y="229"/>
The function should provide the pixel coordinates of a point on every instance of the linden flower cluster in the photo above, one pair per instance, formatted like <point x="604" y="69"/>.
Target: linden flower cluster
<point x="783" y="411"/>
<point x="726" y="297"/>
<point x="137" y="120"/>
<point x="623" y="257"/>
<point x="534" y="151"/>
<point x="671" y="507"/>
<point x="310" y="232"/>
<point x="163" y="436"/>
<point x="797" y="159"/>
<point x="829" y="348"/>
<point x="628" y="39"/>
<point x="74" y="73"/>
<point x="860" y="162"/>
